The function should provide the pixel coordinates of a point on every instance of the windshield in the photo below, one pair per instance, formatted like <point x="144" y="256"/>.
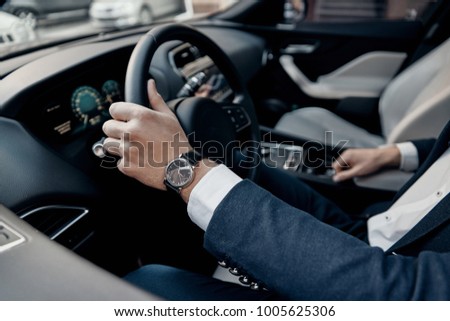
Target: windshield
<point x="28" y="24"/>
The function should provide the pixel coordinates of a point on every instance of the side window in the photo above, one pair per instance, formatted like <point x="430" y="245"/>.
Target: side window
<point x="357" y="10"/>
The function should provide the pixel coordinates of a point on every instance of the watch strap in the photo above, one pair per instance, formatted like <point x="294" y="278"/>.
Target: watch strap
<point x="170" y="187"/>
<point x="193" y="157"/>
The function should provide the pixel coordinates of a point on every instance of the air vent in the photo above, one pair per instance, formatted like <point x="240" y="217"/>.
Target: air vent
<point x="54" y="220"/>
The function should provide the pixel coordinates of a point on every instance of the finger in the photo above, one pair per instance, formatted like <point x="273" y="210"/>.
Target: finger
<point x="124" y="111"/>
<point x="340" y="164"/>
<point x="345" y="175"/>
<point x="114" y="128"/>
<point x="340" y="177"/>
<point x="336" y="166"/>
<point x="120" y="166"/>
<point x="156" y="101"/>
<point x="113" y="146"/>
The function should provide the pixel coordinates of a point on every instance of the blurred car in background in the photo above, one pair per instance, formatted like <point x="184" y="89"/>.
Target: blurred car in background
<point x="35" y="11"/>
<point x="122" y="13"/>
<point x="13" y="30"/>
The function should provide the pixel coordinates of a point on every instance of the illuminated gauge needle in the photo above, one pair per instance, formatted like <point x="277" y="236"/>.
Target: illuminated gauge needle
<point x="87" y="104"/>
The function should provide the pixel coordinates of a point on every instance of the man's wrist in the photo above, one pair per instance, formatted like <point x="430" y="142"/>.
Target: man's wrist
<point x="202" y="168"/>
<point x="390" y="156"/>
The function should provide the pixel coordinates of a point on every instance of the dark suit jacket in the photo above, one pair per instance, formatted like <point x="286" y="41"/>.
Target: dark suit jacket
<point x="301" y="258"/>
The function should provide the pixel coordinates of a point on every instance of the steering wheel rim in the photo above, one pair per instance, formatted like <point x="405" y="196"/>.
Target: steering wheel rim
<point x="137" y="76"/>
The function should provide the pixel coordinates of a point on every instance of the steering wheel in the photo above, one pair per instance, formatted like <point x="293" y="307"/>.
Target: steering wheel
<point x="227" y="132"/>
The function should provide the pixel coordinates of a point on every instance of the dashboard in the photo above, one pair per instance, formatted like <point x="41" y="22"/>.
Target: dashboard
<point x="62" y="99"/>
<point x="65" y="104"/>
<point x="52" y="108"/>
<point x="67" y="111"/>
<point x="79" y="105"/>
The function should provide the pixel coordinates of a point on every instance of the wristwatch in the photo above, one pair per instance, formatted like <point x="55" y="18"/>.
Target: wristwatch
<point x="180" y="171"/>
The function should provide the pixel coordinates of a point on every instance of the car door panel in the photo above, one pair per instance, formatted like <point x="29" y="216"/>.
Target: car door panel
<point x="365" y="76"/>
<point x="336" y="44"/>
<point x="318" y="63"/>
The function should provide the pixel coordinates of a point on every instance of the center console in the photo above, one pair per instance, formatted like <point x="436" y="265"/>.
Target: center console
<point x="311" y="162"/>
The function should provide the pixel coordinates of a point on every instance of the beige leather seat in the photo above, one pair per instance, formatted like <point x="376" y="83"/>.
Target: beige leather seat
<point x="415" y="104"/>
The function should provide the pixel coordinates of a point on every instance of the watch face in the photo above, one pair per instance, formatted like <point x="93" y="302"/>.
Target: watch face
<point x="179" y="172"/>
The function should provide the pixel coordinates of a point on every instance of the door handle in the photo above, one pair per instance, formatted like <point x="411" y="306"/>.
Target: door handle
<point x="299" y="49"/>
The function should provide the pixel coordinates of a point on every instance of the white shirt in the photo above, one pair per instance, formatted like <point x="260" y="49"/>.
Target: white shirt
<point x="209" y="192"/>
<point x="383" y="229"/>
<point x="409" y="156"/>
<point x="387" y="228"/>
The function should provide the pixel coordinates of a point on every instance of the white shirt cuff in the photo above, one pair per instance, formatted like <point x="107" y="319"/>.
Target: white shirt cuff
<point x="208" y="193"/>
<point x="409" y="156"/>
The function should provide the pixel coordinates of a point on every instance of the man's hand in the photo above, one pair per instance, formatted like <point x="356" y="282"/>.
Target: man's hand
<point x="145" y="139"/>
<point x="360" y="162"/>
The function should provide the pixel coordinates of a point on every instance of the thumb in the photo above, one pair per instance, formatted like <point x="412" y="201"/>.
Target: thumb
<point x="156" y="101"/>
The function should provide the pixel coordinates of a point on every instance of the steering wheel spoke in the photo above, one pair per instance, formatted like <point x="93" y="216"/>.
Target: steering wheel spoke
<point x="238" y="116"/>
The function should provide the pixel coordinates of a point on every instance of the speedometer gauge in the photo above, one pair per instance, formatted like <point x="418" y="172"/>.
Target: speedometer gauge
<point x="87" y="105"/>
<point x="111" y="90"/>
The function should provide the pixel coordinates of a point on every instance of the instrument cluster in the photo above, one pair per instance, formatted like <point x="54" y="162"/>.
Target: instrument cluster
<point x="81" y="108"/>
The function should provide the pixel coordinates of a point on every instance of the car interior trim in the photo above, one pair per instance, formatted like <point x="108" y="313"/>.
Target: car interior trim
<point x="365" y="76"/>
<point x="82" y="210"/>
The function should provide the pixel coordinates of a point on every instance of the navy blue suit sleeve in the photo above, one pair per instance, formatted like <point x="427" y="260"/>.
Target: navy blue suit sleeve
<point x="301" y="258"/>
<point x="424" y="147"/>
